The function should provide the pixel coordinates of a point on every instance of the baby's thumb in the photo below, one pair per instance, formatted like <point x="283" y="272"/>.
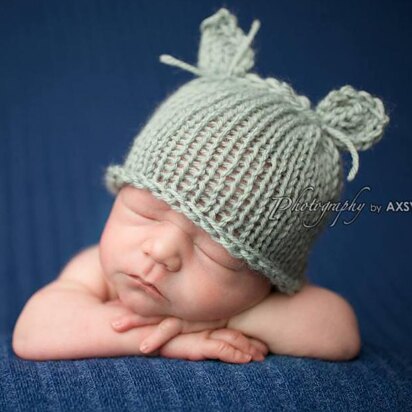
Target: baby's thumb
<point x="198" y="326"/>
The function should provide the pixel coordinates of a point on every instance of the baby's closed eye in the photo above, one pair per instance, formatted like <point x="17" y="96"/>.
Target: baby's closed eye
<point x="212" y="251"/>
<point x="228" y="263"/>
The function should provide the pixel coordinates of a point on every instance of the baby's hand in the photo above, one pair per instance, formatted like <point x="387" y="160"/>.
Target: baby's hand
<point x="228" y="345"/>
<point x="130" y="319"/>
<point x="168" y="327"/>
<point x="176" y="338"/>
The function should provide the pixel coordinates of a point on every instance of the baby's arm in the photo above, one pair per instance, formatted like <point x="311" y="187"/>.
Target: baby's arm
<point x="315" y="322"/>
<point x="69" y="319"/>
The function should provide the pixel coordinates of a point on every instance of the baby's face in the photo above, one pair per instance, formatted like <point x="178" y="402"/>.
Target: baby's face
<point x="197" y="277"/>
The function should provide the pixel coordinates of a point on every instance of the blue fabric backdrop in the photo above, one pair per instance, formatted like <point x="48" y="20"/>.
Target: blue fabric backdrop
<point x="78" y="79"/>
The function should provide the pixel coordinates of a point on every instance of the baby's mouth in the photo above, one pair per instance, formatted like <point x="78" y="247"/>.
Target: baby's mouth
<point x="146" y="285"/>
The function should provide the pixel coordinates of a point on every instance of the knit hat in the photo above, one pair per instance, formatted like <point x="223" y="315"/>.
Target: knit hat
<point x="227" y="145"/>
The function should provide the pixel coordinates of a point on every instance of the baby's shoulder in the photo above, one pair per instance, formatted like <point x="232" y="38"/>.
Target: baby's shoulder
<point x="308" y="291"/>
<point x="311" y="294"/>
<point x="85" y="270"/>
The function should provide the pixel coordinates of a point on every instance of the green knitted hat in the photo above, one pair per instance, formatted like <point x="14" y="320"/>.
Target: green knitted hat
<point x="227" y="145"/>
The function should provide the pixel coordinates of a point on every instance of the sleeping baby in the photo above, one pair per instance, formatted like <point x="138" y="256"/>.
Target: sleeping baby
<point x="201" y="256"/>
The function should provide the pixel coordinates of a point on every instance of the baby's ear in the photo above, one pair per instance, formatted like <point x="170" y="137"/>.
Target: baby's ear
<point x="224" y="48"/>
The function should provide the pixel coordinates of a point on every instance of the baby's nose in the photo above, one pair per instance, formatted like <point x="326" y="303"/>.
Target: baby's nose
<point x="168" y="244"/>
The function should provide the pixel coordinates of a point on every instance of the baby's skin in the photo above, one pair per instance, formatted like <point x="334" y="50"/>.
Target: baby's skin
<point x="203" y="302"/>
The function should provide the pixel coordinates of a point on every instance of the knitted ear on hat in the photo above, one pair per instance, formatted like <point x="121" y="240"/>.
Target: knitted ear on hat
<point x="354" y="119"/>
<point x="224" y="48"/>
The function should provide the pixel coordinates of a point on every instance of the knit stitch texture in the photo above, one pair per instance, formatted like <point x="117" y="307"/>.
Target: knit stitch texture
<point x="227" y="146"/>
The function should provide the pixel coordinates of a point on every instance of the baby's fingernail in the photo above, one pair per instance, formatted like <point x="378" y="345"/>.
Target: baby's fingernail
<point x="144" y="347"/>
<point x="117" y="323"/>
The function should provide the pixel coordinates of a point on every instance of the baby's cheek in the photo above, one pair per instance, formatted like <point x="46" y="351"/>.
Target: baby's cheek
<point x="210" y="301"/>
<point x="109" y="251"/>
<point x="105" y="254"/>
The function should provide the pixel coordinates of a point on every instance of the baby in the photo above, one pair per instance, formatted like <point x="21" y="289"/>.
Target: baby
<point x="193" y="263"/>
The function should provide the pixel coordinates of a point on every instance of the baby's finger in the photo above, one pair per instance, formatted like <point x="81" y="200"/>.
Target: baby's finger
<point x="166" y="330"/>
<point x="130" y="321"/>
<point x="198" y="326"/>
<point x="260" y="348"/>
<point x="239" y="341"/>
<point x="220" y="349"/>
<point x="115" y="302"/>
<point x="198" y="346"/>
<point x="259" y="345"/>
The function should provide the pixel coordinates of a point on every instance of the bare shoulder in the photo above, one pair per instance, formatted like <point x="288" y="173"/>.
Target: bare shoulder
<point x="322" y="299"/>
<point x="312" y="290"/>
<point x="84" y="271"/>
<point x="311" y="293"/>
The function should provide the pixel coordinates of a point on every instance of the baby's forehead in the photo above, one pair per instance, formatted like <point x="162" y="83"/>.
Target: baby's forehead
<point x="146" y="199"/>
